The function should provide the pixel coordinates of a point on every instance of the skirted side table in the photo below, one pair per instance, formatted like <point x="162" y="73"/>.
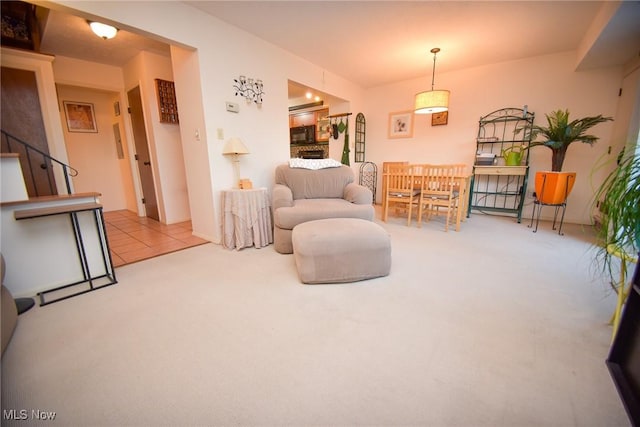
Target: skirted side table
<point x="246" y="218"/>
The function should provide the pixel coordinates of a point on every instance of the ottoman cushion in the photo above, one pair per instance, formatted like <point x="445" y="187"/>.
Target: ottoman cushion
<point x="339" y="250"/>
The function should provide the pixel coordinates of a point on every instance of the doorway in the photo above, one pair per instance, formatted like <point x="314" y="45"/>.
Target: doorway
<point x="22" y="119"/>
<point x="143" y="159"/>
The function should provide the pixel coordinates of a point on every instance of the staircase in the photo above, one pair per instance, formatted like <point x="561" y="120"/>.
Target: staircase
<point x="37" y="166"/>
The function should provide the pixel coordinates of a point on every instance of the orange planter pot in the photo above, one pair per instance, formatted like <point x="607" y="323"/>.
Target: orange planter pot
<point x="553" y="188"/>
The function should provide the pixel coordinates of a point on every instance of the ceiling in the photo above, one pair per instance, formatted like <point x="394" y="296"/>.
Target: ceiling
<point x="373" y="43"/>
<point x="68" y="35"/>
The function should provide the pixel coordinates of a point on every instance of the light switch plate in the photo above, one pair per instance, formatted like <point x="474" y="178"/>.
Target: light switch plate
<point x="233" y="107"/>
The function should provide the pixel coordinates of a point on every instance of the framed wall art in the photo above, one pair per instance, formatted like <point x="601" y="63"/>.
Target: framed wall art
<point x="401" y="124"/>
<point x="80" y="117"/>
<point x="438" y="119"/>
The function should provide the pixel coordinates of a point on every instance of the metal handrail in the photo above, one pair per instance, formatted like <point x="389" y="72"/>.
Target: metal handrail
<point x="66" y="169"/>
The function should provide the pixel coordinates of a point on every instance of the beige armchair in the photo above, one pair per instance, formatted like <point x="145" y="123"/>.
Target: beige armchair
<point x="9" y="310"/>
<point x="301" y="195"/>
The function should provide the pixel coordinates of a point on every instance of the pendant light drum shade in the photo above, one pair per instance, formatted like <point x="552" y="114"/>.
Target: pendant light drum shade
<point x="432" y="101"/>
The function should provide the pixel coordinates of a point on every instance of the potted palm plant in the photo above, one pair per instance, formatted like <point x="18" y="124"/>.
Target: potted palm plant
<point x="617" y="200"/>
<point x="553" y="187"/>
<point x="619" y="239"/>
<point x="619" y="231"/>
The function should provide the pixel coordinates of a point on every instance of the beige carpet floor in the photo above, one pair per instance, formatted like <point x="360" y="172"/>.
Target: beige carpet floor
<point x="490" y="326"/>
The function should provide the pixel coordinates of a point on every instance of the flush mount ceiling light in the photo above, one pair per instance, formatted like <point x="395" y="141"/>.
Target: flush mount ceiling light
<point x="432" y="101"/>
<point x="103" y="30"/>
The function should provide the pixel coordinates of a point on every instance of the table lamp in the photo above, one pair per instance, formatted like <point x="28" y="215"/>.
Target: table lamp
<point x="234" y="147"/>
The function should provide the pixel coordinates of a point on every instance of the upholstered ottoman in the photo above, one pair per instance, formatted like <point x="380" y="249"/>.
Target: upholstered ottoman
<point x="339" y="250"/>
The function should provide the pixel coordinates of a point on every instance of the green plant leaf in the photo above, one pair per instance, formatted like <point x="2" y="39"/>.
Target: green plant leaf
<point x="559" y="132"/>
<point x="619" y="202"/>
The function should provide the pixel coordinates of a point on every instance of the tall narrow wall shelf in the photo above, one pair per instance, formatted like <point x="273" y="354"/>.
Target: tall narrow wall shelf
<point x="167" y="103"/>
<point x="496" y="186"/>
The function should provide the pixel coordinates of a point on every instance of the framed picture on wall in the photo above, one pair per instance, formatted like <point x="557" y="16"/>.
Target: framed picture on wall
<point x="80" y="117"/>
<point x="401" y="124"/>
<point x="438" y="119"/>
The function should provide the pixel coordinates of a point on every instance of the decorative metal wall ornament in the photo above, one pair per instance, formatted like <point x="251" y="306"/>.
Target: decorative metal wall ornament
<point x="360" y="138"/>
<point x="249" y="89"/>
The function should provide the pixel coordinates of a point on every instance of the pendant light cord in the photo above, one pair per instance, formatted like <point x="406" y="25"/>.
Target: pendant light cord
<point x="435" y="50"/>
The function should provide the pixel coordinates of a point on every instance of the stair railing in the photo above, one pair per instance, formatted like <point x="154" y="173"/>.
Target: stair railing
<point x="31" y="151"/>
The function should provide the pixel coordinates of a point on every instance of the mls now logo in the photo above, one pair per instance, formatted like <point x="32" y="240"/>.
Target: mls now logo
<point x="37" y="414"/>
<point x="15" y="414"/>
<point x="23" y="414"/>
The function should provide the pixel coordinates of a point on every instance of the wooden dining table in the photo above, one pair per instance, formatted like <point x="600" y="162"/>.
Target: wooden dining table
<point x="463" y="183"/>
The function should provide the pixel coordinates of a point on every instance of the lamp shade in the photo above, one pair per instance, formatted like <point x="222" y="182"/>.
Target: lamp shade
<point x="432" y="101"/>
<point x="234" y="146"/>
<point x="103" y="30"/>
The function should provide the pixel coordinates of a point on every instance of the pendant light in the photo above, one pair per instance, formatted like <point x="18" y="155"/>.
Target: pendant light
<point x="432" y="101"/>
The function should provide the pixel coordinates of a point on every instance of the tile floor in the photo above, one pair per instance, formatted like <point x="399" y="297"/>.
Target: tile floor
<point x="133" y="238"/>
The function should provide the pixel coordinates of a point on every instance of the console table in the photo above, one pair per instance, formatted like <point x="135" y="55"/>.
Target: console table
<point x="90" y="279"/>
<point x="246" y="218"/>
<point x="55" y="246"/>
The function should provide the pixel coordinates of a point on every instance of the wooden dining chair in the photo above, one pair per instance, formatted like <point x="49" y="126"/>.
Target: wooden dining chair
<point x="385" y="166"/>
<point x="459" y="169"/>
<point x="440" y="194"/>
<point x="463" y="180"/>
<point x="400" y="190"/>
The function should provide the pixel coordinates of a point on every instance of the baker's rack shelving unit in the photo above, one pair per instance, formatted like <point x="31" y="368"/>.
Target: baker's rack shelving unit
<point x="495" y="186"/>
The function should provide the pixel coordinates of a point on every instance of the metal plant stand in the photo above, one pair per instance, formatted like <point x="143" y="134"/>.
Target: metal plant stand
<point x="497" y="185"/>
<point x="537" y="207"/>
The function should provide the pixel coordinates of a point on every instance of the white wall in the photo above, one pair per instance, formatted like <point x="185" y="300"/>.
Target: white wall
<point x="12" y="185"/>
<point x="124" y="163"/>
<point x="544" y="83"/>
<point x="164" y="140"/>
<point x="196" y="150"/>
<point x="101" y="170"/>
<point x="76" y="72"/>
<point x="94" y="155"/>
<point x="627" y="124"/>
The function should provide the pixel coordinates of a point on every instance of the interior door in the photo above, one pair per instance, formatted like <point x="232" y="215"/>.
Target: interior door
<point x="22" y="118"/>
<point x="142" y="154"/>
